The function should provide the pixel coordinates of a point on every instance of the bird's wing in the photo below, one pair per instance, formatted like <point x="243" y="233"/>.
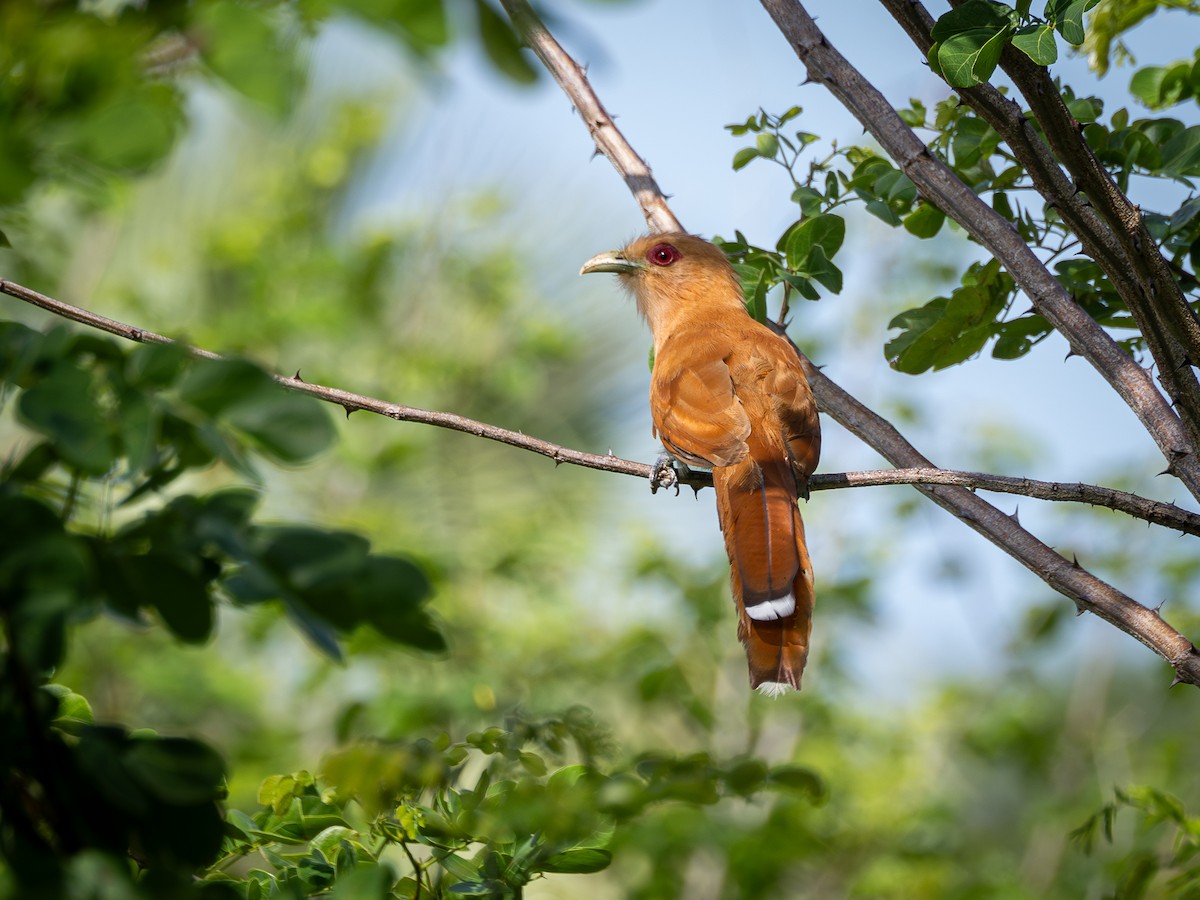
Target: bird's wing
<point x="696" y="413"/>
<point x="793" y="401"/>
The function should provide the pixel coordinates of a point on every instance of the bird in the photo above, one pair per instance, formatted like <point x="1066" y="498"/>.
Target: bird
<point x="727" y="393"/>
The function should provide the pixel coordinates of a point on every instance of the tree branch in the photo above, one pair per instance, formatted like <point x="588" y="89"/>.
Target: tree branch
<point x="1165" y="514"/>
<point x="572" y="78"/>
<point x="937" y="183"/>
<point x="1068" y="578"/>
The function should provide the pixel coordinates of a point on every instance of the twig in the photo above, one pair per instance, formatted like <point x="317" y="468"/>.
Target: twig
<point x="1068" y="578"/>
<point x="1165" y="514"/>
<point x="938" y="184"/>
<point x="572" y="78"/>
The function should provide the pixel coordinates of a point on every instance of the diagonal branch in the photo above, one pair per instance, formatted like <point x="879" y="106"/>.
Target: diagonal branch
<point x="1068" y="578"/>
<point x="937" y="183"/>
<point x="609" y="140"/>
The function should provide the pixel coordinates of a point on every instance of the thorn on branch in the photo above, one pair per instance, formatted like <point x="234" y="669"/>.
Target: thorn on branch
<point x="1178" y="679"/>
<point x="348" y="409"/>
<point x="297" y="377"/>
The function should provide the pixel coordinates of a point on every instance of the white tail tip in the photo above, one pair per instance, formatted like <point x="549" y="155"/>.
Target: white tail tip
<point x="772" y="609"/>
<point x="774" y="688"/>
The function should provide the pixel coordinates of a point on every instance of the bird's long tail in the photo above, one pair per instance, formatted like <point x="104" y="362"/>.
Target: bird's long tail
<point x="769" y="568"/>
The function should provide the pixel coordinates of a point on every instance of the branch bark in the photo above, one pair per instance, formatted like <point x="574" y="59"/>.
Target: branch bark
<point x="937" y="183"/>
<point x="1068" y="578"/>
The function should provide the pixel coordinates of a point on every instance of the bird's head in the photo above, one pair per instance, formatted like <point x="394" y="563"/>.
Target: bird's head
<point x="672" y="275"/>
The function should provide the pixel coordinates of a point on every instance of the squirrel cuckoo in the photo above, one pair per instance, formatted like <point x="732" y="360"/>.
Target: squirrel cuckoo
<point x="728" y="393"/>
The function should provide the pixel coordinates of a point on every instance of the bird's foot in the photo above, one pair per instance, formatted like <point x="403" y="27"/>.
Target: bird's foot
<point x="664" y="474"/>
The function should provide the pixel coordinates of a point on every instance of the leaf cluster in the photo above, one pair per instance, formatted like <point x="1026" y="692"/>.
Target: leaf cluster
<point x="969" y="39"/>
<point x="1165" y="852"/>
<point x="481" y="816"/>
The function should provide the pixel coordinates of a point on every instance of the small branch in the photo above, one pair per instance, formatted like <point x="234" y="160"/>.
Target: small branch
<point x="939" y="184"/>
<point x="1164" y="514"/>
<point x="572" y="78"/>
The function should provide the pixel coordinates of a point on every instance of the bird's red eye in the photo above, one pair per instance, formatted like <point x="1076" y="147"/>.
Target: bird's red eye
<point x="663" y="254"/>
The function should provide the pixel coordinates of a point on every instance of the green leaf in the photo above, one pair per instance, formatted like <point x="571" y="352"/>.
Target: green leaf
<point x="932" y="58"/>
<point x="579" y="861"/>
<point x="1018" y="337"/>
<point x="131" y="131"/>
<point x="925" y="221"/>
<point x="502" y="45"/>
<point x="743" y="157"/>
<point x="64" y="407"/>
<point x="1181" y="154"/>
<point x="970" y="15"/>
<point x="72" y="707"/>
<point x="155" y="365"/>
<point x="290" y="428"/>
<point x="882" y="211"/>
<point x="753" y="280"/>
<point x="822" y="270"/>
<point x="460" y="868"/>
<point x="799" y="779"/>
<point x="178" y="771"/>
<point x="810" y="201"/>
<point x="969" y="57"/>
<point x="214" y="385"/>
<point x="242" y="48"/>
<point x="1069" y="21"/>
<point x="1038" y="43"/>
<point x="767" y="145"/>
<point x="949" y="330"/>
<point x="137" y="426"/>
<point x="826" y="231"/>
<point x="368" y="881"/>
<point x="181" y="598"/>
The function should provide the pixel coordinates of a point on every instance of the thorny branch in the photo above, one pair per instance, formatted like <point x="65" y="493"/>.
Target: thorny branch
<point x="573" y="80"/>
<point x="1132" y="383"/>
<point x="1155" y="512"/>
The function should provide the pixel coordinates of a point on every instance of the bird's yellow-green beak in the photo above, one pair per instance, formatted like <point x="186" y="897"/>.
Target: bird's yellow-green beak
<point x="610" y="261"/>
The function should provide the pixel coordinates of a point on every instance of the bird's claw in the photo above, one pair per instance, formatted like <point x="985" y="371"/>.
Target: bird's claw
<point x="663" y="474"/>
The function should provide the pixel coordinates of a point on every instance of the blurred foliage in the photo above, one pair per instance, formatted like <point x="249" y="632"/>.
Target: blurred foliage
<point x="215" y="685"/>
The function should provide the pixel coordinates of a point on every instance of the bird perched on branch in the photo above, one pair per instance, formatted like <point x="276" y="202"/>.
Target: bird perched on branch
<point x="728" y="393"/>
